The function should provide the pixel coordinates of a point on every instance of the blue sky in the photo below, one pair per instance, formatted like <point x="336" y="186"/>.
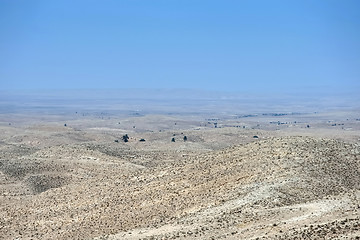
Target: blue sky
<point x="243" y="46"/>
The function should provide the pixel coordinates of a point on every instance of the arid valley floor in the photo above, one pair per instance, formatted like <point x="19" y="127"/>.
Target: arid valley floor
<point x="264" y="175"/>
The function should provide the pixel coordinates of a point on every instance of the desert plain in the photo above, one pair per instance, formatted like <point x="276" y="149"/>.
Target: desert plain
<point x="169" y="169"/>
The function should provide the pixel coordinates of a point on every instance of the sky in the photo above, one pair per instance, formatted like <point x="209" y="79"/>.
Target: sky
<point x="237" y="46"/>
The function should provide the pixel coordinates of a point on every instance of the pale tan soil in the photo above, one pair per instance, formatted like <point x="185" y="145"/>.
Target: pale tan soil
<point x="76" y="182"/>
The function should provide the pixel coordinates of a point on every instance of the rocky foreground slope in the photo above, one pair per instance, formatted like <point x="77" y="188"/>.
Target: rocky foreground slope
<point x="279" y="188"/>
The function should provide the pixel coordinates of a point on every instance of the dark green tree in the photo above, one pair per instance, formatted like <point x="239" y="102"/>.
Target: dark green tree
<point x="125" y="138"/>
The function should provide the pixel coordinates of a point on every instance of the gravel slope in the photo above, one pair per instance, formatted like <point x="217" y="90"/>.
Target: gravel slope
<point x="278" y="188"/>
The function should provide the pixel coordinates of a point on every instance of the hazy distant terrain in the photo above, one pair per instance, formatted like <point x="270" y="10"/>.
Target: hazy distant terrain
<point x="210" y="165"/>
<point x="167" y="101"/>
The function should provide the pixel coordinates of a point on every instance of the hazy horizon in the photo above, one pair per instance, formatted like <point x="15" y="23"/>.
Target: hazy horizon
<point x="169" y="101"/>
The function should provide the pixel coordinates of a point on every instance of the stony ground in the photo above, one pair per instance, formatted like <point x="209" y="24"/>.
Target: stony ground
<point x="65" y="183"/>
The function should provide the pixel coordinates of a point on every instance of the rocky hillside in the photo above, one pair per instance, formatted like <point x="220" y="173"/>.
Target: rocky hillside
<point x="278" y="188"/>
